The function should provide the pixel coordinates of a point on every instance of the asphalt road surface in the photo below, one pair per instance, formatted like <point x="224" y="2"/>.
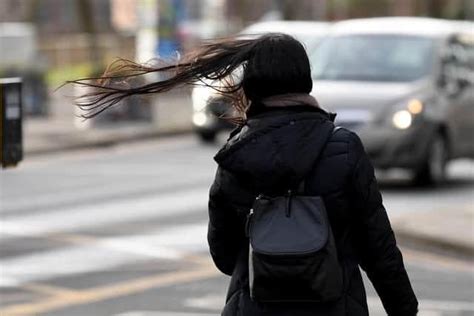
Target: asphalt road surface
<point x="122" y="231"/>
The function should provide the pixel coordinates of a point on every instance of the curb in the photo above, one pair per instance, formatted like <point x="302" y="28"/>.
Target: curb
<point x="106" y="141"/>
<point x="408" y="237"/>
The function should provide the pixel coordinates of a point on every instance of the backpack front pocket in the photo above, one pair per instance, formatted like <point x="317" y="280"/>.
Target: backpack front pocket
<point x="292" y="254"/>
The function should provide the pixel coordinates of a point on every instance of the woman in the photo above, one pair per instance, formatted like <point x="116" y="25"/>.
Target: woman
<point x="283" y="137"/>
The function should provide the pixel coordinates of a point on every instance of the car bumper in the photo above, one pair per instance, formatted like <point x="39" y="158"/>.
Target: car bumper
<point x="389" y="147"/>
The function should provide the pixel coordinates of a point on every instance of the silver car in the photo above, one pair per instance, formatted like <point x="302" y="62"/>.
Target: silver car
<point x="405" y="85"/>
<point x="208" y="105"/>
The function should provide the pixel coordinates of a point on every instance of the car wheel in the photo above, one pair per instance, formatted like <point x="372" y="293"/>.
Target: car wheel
<point x="433" y="171"/>
<point x="207" y="137"/>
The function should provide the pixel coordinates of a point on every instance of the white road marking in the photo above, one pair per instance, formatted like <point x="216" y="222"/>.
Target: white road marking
<point x="430" y="313"/>
<point x="85" y="188"/>
<point x="104" y="254"/>
<point x="182" y="239"/>
<point x="447" y="305"/>
<point x="59" y="263"/>
<point x="102" y="214"/>
<point x="210" y="301"/>
<point x="429" y="307"/>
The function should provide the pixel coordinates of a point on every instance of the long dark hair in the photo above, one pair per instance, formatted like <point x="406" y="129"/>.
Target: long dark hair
<point x="271" y="64"/>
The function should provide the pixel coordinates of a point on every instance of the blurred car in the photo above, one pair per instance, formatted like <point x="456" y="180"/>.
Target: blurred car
<point x="208" y="105"/>
<point x="405" y="85"/>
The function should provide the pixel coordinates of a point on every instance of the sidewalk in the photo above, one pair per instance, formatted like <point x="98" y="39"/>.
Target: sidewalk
<point x="170" y="114"/>
<point x="42" y="136"/>
<point x="451" y="230"/>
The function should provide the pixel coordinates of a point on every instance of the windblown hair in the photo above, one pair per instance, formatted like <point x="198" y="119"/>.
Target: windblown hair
<point x="272" y="64"/>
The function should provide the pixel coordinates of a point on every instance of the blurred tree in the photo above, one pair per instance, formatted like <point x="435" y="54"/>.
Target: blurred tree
<point x="87" y="25"/>
<point x="338" y="9"/>
<point x="245" y="11"/>
<point x="305" y="10"/>
<point x="289" y="10"/>
<point x="33" y="11"/>
<point x="343" y="9"/>
<point x="465" y="11"/>
<point x="434" y="8"/>
<point x="13" y="10"/>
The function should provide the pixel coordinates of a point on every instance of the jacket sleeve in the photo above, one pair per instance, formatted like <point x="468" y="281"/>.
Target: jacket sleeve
<point x="379" y="255"/>
<point x="226" y="233"/>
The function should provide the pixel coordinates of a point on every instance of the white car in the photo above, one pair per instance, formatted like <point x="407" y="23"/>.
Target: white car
<point x="208" y="105"/>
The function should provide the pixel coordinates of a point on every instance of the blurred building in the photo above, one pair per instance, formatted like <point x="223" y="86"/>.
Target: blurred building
<point x="77" y="38"/>
<point x="77" y="31"/>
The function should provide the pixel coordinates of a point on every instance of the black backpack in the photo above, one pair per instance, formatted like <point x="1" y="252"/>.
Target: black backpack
<point x="293" y="256"/>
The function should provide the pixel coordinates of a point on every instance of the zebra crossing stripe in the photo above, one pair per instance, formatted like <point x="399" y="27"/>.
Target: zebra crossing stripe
<point x="114" y="212"/>
<point x="172" y="243"/>
<point x="128" y="287"/>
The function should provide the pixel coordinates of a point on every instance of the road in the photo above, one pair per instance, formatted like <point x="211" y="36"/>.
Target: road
<point x="122" y="231"/>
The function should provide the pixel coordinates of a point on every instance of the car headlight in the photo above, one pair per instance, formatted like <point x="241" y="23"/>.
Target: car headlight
<point x="415" y="106"/>
<point x="403" y="119"/>
<point x="200" y="97"/>
<point x="200" y="119"/>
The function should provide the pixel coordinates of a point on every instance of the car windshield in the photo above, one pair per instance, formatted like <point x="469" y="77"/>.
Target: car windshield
<point x="372" y="58"/>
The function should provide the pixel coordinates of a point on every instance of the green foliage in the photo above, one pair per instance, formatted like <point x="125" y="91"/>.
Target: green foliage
<point x="57" y="76"/>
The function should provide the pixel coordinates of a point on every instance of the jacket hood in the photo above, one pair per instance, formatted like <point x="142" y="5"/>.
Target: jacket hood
<point x="276" y="149"/>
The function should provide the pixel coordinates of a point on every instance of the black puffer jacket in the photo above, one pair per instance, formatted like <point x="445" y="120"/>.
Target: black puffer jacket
<point x="278" y="147"/>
